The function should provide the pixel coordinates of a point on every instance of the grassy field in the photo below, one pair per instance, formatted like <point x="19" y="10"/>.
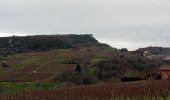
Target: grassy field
<point x="13" y="87"/>
<point x="97" y="59"/>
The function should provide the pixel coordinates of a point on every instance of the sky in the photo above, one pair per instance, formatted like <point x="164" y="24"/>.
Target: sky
<point x="128" y="24"/>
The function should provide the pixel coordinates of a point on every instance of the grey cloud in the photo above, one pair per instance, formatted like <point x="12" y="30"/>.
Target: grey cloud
<point x="132" y="21"/>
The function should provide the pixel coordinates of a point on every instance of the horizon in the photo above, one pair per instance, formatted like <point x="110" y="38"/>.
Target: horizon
<point x="114" y="45"/>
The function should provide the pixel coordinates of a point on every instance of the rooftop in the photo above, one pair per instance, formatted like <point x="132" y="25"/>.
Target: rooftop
<point x="165" y="67"/>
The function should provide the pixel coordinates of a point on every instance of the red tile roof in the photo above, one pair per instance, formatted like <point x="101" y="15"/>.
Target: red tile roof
<point x="165" y="67"/>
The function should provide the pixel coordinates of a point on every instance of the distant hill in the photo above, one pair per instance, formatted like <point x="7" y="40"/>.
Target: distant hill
<point x="154" y="50"/>
<point x="20" y="44"/>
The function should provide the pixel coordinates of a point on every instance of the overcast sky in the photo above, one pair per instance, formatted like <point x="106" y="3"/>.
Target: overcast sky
<point x="120" y="23"/>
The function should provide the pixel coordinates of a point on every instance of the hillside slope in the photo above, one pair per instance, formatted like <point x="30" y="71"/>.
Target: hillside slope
<point x="44" y="66"/>
<point x="78" y="59"/>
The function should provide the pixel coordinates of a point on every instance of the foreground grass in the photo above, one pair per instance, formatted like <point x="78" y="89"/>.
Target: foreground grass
<point x="11" y="87"/>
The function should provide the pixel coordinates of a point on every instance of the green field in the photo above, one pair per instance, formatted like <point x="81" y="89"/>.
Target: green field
<point x="10" y="87"/>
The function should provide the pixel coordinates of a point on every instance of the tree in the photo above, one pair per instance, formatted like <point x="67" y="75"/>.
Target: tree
<point x="124" y="50"/>
<point x="78" y="68"/>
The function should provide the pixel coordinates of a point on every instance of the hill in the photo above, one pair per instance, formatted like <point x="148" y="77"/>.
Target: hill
<point x="155" y="50"/>
<point x="76" y="59"/>
<point x="159" y="53"/>
<point x="21" y="44"/>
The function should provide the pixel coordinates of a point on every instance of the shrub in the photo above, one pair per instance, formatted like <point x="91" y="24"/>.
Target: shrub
<point x="89" y="76"/>
<point x="4" y="64"/>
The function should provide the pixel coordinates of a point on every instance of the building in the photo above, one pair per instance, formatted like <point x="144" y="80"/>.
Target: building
<point x="165" y="72"/>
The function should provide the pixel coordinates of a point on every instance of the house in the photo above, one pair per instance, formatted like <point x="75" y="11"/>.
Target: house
<point x="165" y="72"/>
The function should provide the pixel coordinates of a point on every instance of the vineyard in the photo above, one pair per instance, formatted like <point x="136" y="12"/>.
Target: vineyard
<point x="38" y="66"/>
<point x="150" y="90"/>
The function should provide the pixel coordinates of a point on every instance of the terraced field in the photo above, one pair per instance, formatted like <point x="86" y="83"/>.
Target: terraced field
<point x="43" y="66"/>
